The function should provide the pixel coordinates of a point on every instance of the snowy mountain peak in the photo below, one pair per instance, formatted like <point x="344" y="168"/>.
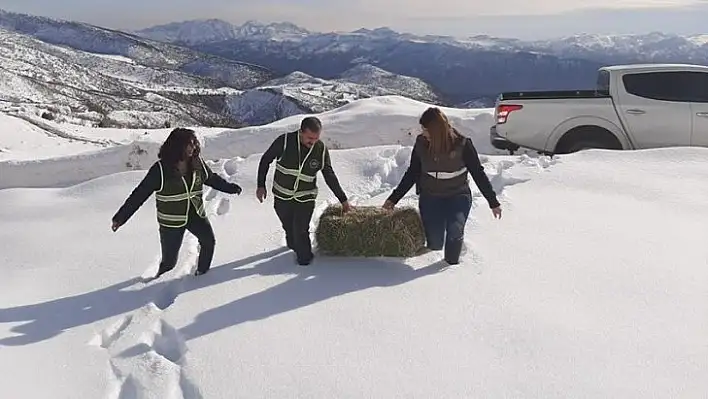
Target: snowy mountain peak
<point x="194" y="32"/>
<point x="363" y="72"/>
<point x="373" y="76"/>
<point x="382" y="32"/>
<point x="652" y="44"/>
<point x="273" y="30"/>
<point x="294" y="78"/>
<point x="698" y="40"/>
<point x="385" y="31"/>
<point x="191" y="32"/>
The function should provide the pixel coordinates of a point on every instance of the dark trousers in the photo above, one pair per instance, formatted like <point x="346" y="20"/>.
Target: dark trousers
<point x="444" y="220"/>
<point x="171" y="241"/>
<point x="295" y="218"/>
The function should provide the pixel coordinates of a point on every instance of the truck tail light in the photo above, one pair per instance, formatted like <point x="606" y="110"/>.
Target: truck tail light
<point x="503" y="111"/>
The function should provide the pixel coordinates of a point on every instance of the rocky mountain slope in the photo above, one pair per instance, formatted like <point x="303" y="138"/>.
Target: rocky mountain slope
<point x="299" y="93"/>
<point x="472" y="70"/>
<point x="143" y="51"/>
<point x="69" y="85"/>
<point x="79" y="73"/>
<point x="126" y="81"/>
<point x="650" y="47"/>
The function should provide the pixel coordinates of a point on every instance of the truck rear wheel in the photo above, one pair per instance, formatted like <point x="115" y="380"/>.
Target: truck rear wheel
<point x="585" y="138"/>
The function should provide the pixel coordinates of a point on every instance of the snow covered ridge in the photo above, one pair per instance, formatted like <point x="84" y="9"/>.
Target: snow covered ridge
<point x="651" y="46"/>
<point x="461" y="72"/>
<point x="463" y="69"/>
<point x="300" y="93"/>
<point x="592" y="284"/>
<point x="215" y="30"/>
<point x="34" y="157"/>
<point x="146" y="52"/>
<point x="101" y="89"/>
<point x="68" y="85"/>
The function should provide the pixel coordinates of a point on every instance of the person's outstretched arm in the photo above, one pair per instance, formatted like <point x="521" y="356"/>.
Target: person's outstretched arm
<point x="274" y="151"/>
<point x="331" y="178"/>
<point x="480" y="178"/>
<point x="218" y="182"/>
<point x="150" y="183"/>
<point x="409" y="178"/>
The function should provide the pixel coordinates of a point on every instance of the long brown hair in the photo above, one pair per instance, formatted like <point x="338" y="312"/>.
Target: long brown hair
<point x="441" y="135"/>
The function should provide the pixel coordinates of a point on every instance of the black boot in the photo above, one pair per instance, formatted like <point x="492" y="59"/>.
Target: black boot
<point x="304" y="260"/>
<point x="163" y="268"/>
<point x="452" y="252"/>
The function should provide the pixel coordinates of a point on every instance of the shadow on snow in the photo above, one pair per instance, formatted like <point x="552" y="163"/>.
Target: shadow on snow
<point x="324" y="279"/>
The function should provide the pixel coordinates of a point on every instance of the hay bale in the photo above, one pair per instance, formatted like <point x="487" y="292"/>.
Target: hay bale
<point x="370" y="231"/>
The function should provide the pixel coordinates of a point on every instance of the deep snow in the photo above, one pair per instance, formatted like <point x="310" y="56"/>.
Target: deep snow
<point x="381" y="120"/>
<point x="591" y="285"/>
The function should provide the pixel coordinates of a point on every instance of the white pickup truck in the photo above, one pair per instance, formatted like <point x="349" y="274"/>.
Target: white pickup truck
<point x="633" y="107"/>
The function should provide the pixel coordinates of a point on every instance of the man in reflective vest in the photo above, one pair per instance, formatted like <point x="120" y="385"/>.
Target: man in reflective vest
<point x="300" y="155"/>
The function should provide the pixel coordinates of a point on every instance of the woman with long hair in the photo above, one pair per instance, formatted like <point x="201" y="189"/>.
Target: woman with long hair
<point x="177" y="179"/>
<point x="440" y="161"/>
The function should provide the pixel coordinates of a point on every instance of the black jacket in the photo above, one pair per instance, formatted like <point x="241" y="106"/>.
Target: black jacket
<point x="151" y="183"/>
<point x="474" y="166"/>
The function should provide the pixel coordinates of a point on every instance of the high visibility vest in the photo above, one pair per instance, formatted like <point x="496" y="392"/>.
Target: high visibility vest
<point x="175" y="197"/>
<point x="293" y="179"/>
<point x="445" y="174"/>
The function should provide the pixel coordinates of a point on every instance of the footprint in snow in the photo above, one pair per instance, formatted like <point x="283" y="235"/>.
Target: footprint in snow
<point x="224" y="207"/>
<point x="230" y="167"/>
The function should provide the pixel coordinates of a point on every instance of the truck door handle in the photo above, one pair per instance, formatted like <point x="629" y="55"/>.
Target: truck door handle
<point x="703" y="114"/>
<point x="636" y="111"/>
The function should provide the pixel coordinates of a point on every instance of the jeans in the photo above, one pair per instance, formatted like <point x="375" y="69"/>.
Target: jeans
<point x="444" y="220"/>
<point x="171" y="241"/>
<point x="295" y="217"/>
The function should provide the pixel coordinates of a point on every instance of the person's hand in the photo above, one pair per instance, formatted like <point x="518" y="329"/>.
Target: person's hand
<point x="261" y="193"/>
<point x="388" y="205"/>
<point x="497" y="212"/>
<point x="115" y="225"/>
<point x="346" y="207"/>
<point x="237" y="189"/>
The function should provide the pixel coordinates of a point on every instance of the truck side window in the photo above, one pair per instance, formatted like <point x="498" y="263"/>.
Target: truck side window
<point x="603" y="82"/>
<point x="698" y="83"/>
<point x="679" y="86"/>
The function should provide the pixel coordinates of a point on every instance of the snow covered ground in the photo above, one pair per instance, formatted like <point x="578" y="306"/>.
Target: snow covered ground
<point x="96" y="152"/>
<point x="591" y="285"/>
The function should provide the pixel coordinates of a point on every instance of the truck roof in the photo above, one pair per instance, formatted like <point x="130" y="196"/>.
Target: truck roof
<point x="655" y="67"/>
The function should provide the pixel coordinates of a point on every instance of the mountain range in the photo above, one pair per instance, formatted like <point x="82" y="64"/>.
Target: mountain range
<point x="212" y="72"/>
<point x="473" y="69"/>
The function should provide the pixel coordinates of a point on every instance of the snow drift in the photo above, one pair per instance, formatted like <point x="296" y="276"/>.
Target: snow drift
<point x="374" y="121"/>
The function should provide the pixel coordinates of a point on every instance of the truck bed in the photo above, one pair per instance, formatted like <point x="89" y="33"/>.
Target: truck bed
<point x="547" y="95"/>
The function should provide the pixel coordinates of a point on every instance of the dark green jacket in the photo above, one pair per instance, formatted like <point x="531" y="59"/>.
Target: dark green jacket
<point x="296" y="168"/>
<point x="177" y="198"/>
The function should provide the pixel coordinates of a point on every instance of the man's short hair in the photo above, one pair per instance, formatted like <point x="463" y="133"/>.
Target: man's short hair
<point x="312" y="124"/>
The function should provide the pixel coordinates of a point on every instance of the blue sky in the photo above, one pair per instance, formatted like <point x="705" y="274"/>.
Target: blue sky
<point x="530" y="19"/>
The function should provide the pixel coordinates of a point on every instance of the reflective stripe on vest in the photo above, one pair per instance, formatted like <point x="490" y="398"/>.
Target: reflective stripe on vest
<point x="188" y="197"/>
<point x="287" y="194"/>
<point x="448" y="175"/>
